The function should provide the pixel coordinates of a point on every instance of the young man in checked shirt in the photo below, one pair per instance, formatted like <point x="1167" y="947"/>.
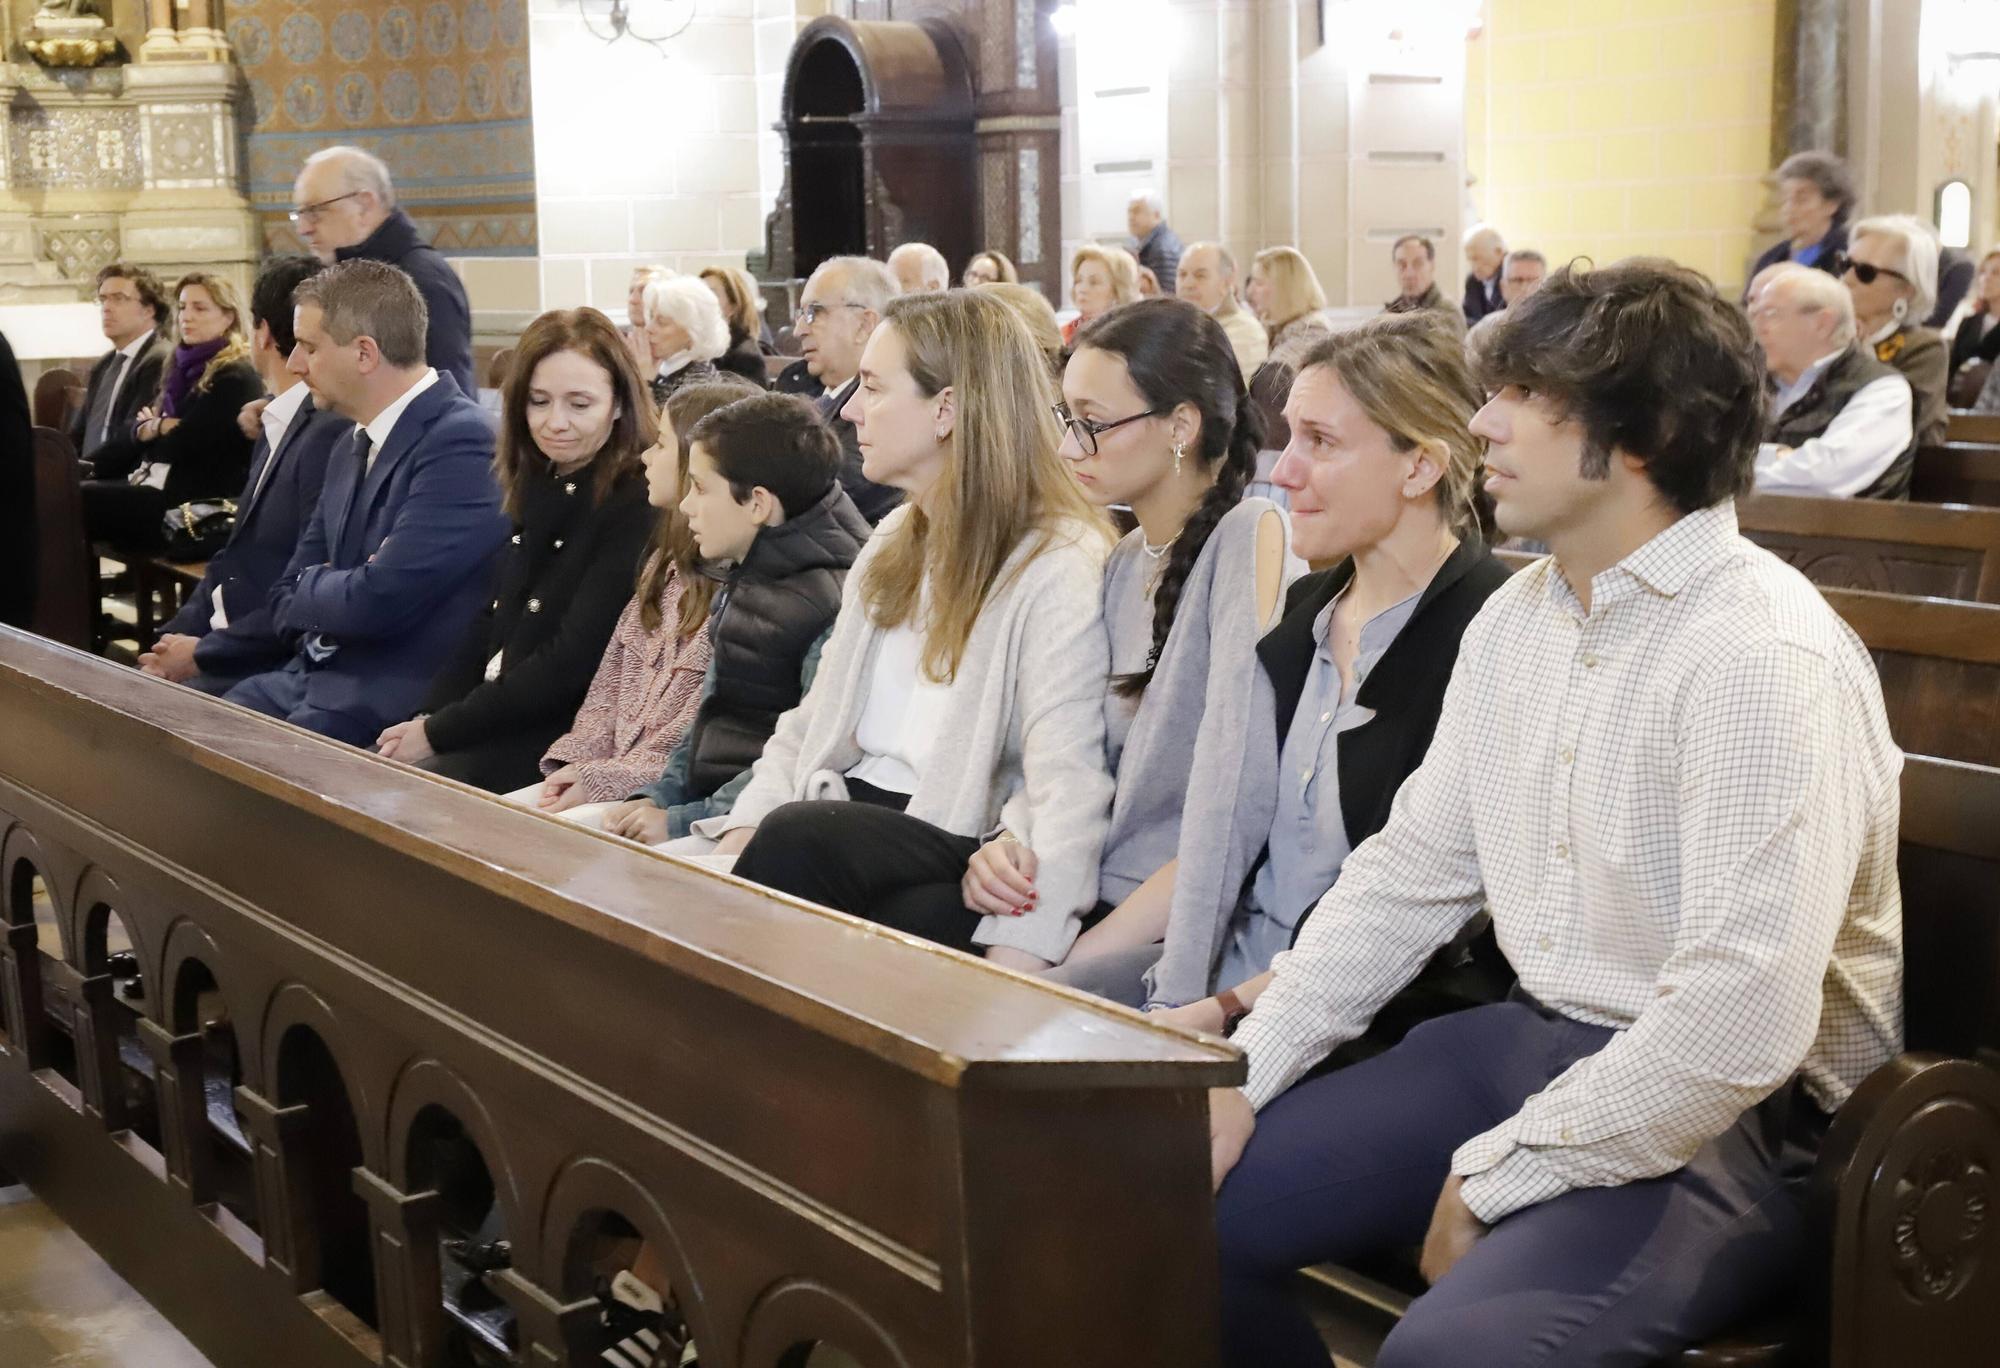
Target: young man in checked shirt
<point x="1663" y="768"/>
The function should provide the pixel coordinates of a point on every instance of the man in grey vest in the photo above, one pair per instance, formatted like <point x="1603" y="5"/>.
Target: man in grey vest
<point x="1840" y="421"/>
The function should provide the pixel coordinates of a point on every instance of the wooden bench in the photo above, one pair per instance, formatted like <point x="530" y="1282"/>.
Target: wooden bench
<point x="1973" y="427"/>
<point x="369" y="1012"/>
<point x="1907" y="1264"/>
<point x="1957" y="472"/>
<point x="1925" y="550"/>
<point x="64" y="608"/>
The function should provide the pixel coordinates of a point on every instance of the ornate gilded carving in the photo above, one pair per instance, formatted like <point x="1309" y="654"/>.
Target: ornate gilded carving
<point x="69" y="33"/>
<point x="1940" y="1223"/>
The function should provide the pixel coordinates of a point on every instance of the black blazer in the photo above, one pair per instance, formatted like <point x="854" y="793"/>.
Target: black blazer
<point x="876" y="502"/>
<point x="1406" y="690"/>
<point x="448" y="313"/>
<point x="563" y="580"/>
<point x="1969" y="344"/>
<point x="1481" y="298"/>
<point x="209" y="455"/>
<point x="270" y="518"/>
<point x="121" y="451"/>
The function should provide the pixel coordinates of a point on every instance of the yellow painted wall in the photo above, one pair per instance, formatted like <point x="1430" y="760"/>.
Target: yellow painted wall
<point x="1614" y="128"/>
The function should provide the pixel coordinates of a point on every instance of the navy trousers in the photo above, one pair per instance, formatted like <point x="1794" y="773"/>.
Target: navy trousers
<point x="282" y="693"/>
<point x="1350" y="1163"/>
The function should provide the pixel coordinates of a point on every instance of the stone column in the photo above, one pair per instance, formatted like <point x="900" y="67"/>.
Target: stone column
<point x="191" y="211"/>
<point x="1809" y="80"/>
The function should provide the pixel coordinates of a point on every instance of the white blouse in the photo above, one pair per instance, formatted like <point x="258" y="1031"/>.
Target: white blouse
<point x="901" y="717"/>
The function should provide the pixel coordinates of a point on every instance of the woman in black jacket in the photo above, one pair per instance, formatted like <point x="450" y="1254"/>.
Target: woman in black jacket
<point x="576" y="418"/>
<point x="736" y="292"/>
<point x="191" y="447"/>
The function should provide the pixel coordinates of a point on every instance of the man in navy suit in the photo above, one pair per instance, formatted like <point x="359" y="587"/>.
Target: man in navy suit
<point x="224" y="633"/>
<point x="399" y="557"/>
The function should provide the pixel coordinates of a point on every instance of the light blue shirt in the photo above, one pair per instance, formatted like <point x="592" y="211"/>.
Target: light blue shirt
<point x="1309" y="841"/>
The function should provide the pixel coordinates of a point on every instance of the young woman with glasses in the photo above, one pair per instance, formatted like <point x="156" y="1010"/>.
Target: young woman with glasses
<point x="1158" y="420"/>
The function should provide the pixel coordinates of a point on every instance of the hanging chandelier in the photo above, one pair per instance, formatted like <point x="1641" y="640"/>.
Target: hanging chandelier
<point x="652" y="22"/>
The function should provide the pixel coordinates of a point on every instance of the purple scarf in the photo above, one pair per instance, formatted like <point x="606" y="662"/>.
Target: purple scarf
<point x="184" y="372"/>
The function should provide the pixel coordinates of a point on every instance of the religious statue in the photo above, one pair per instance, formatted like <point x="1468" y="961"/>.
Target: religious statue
<point x="69" y="33"/>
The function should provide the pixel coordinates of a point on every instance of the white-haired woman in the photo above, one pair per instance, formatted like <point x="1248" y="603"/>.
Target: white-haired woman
<point x="687" y="331"/>
<point x="1891" y="270"/>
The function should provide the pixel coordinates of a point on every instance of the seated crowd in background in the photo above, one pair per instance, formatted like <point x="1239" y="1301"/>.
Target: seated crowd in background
<point x="1424" y="836"/>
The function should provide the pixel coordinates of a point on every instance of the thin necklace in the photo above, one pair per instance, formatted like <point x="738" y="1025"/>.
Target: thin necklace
<point x="1158" y="551"/>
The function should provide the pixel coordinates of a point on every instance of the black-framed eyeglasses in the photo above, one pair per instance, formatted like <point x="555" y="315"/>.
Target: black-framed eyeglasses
<point x="813" y="313"/>
<point x="313" y="211"/>
<point x="1866" y="273"/>
<point x="1087" y="432"/>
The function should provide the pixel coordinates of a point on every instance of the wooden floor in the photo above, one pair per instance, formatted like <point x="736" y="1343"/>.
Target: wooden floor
<point x="62" y="1307"/>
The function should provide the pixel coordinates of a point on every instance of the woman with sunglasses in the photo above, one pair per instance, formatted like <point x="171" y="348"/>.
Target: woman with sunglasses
<point x="1891" y="270"/>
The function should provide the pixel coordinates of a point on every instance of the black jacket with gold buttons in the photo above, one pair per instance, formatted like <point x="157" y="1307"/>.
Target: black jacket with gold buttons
<point x="562" y="582"/>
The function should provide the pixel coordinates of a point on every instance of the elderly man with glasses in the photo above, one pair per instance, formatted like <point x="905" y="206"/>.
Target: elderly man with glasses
<point x="344" y="207"/>
<point x="838" y="310"/>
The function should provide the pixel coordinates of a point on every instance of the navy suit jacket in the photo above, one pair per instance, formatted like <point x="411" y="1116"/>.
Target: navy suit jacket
<point x="269" y="522"/>
<point x="394" y="565"/>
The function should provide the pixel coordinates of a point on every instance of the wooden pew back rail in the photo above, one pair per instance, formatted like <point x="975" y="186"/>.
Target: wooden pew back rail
<point x="367" y="1013"/>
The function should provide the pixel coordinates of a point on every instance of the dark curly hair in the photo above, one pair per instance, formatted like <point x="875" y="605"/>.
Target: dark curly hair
<point x="1176" y="354"/>
<point x="1651" y="361"/>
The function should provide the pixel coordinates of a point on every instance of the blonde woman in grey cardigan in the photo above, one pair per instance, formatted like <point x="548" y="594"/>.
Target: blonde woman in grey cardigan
<point x="956" y="725"/>
<point x="1159" y="421"/>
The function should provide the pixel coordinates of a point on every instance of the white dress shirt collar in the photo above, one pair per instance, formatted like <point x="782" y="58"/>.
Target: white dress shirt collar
<point x="383" y="423"/>
<point x="278" y="414"/>
<point x="130" y="351"/>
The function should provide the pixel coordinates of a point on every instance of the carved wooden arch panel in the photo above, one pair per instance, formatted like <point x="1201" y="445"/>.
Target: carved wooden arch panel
<point x="98" y="895"/>
<point x="293" y="1003"/>
<point x="429" y="1082"/>
<point x="187" y="943"/>
<point x="22" y="846"/>
<point x="588" y="1184"/>
<point x="797" y="1311"/>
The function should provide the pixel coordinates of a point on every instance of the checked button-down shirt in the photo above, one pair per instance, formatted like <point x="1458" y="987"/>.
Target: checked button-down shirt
<point x="1680" y="808"/>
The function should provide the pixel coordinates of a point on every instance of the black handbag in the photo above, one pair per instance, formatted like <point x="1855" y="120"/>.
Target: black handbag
<point x="196" y="531"/>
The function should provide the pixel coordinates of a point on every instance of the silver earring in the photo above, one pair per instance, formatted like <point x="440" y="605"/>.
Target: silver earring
<point x="1180" y="450"/>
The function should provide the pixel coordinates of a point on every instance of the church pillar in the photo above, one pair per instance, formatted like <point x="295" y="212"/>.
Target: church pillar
<point x="1018" y="125"/>
<point x="1809" y="83"/>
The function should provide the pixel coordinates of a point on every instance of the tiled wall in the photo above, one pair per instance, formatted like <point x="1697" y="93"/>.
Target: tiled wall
<point x="1610" y="130"/>
<point x="440" y="91"/>
<point x="644" y="157"/>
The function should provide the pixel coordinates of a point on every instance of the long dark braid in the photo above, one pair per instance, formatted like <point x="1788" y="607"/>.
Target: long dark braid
<point x="1177" y="354"/>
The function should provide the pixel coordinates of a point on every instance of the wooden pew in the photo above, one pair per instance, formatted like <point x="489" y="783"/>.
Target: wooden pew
<point x="1926" y="550"/>
<point x="65" y="582"/>
<point x="1939" y="661"/>
<point x="369" y="1011"/>
<point x="1957" y="472"/>
<point x="1907" y="1269"/>
<point x="1973" y="427"/>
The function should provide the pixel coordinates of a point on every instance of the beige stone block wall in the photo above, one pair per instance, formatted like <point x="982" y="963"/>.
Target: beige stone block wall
<point x="649" y="158"/>
<point x="1614" y="130"/>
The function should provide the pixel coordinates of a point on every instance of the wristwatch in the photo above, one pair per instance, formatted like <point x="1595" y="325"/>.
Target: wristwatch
<point x="1233" y="1009"/>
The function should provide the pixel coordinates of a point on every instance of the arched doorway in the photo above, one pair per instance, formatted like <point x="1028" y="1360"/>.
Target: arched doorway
<point x="879" y="145"/>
